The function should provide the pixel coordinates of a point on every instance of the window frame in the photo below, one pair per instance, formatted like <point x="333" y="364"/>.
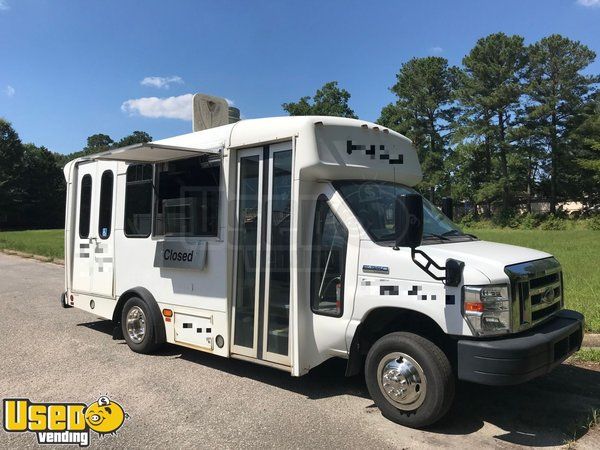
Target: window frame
<point x="323" y="199"/>
<point x="89" y="208"/>
<point x="127" y="183"/>
<point x="100" y="203"/>
<point x="156" y="199"/>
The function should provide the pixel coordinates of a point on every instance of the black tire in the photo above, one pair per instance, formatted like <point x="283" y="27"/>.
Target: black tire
<point x="148" y="342"/>
<point x="437" y="370"/>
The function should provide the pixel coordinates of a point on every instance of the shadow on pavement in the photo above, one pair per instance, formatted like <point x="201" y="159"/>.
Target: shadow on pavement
<point x="543" y="412"/>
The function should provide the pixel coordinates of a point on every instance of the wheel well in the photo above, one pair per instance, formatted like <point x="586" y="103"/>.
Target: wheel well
<point x="382" y="321"/>
<point x="147" y="297"/>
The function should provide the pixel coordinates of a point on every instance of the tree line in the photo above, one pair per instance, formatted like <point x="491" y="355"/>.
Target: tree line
<point x="32" y="184"/>
<point x="513" y="124"/>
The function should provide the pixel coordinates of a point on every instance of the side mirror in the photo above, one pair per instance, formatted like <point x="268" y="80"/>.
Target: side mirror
<point x="454" y="271"/>
<point x="448" y="207"/>
<point x="409" y="220"/>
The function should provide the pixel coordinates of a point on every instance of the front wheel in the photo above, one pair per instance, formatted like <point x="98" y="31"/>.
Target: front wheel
<point x="410" y="379"/>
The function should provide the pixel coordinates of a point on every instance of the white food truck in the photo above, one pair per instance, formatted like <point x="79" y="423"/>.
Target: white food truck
<point x="288" y="241"/>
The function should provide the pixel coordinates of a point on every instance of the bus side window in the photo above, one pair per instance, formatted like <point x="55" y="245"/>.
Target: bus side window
<point x="106" y="204"/>
<point x="138" y="201"/>
<point x="330" y="239"/>
<point x="85" y="206"/>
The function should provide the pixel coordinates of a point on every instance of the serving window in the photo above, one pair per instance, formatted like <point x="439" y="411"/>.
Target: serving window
<point x="187" y="197"/>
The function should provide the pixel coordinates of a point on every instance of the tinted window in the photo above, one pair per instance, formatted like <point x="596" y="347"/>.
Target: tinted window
<point x="106" y="202"/>
<point x="187" y="203"/>
<point x="330" y="238"/>
<point x="138" y="201"/>
<point x="374" y="204"/>
<point x="85" y="207"/>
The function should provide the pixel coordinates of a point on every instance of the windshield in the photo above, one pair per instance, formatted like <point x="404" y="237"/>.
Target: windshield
<point x="373" y="202"/>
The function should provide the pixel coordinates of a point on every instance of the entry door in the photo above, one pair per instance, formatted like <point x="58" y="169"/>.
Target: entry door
<point x="262" y="285"/>
<point x="93" y="259"/>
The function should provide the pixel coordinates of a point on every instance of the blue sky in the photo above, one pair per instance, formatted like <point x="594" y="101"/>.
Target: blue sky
<point x="70" y="68"/>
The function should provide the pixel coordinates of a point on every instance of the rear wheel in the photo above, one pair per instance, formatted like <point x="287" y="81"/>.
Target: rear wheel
<point x="410" y="379"/>
<point x="138" y="327"/>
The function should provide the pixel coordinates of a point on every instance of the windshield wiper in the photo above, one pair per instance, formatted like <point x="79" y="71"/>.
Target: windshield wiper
<point x="458" y="233"/>
<point x="441" y="237"/>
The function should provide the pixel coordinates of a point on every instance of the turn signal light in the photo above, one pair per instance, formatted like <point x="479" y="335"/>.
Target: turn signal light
<point x="167" y="312"/>
<point x="474" y="306"/>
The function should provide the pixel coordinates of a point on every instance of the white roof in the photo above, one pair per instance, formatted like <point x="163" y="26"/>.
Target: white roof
<point x="239" y="134"/>
<point x="328" y="147"/>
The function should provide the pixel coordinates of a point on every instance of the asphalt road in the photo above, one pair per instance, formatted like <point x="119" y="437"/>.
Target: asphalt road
<point x="184" y="398"/>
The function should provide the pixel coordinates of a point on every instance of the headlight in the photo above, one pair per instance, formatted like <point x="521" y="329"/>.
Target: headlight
<point x="487" y="309"/>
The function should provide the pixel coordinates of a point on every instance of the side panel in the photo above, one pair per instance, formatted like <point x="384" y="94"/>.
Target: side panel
<point x="201" y="293"/>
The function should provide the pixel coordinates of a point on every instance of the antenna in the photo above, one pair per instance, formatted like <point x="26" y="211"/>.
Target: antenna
<point x="209" y="112"/>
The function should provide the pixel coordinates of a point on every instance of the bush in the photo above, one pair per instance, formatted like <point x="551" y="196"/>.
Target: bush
<point x="529" y="221"/>
<point x="593" y="223"/>
<point x="553" y="222"/>
<point x="505" y="218"/>
<point x="467" y="220"/>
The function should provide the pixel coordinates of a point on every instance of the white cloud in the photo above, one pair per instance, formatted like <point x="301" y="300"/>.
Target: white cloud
<point x="436" y="49"/>
<point x="179" y="107"/>
<point x="9" y="90"/>
<point x="4" y="6"/>
<point x="595" y="3"/>
<point x="161" y="82"/>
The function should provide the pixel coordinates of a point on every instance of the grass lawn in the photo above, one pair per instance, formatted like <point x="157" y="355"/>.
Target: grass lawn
<point x="578" y="251"/>
<point x="39" y="242"/>
<point x="588" y="354"/>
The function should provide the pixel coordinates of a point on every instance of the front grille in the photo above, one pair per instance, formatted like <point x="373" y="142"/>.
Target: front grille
<point x="537" y="291"/>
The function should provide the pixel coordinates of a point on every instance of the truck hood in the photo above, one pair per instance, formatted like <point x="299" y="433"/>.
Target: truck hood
<point x="489" y="258"/>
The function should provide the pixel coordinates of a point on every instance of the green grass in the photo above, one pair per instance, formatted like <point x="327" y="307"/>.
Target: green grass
<point x="588" y="354"/>
<point x="39" y="242"/>
<point x="578" y="251"/>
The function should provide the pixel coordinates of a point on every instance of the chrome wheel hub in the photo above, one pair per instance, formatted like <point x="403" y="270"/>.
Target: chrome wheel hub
<point x="402" y="381"/>
<point x="136" y="324"/>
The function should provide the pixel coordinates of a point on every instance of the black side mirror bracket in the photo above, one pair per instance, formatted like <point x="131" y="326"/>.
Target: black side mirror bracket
<point x="409" y="233"/>
<point x="453" y="269"/>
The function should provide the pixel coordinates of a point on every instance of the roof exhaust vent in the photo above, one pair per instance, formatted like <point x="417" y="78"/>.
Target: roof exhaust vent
<point x="209" y="112"/>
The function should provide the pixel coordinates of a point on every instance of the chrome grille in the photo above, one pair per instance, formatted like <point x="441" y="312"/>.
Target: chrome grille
<point x="537" y="291"/>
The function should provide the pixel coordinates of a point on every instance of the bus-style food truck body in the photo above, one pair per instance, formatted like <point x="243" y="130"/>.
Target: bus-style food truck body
<point x="287" y="241"/>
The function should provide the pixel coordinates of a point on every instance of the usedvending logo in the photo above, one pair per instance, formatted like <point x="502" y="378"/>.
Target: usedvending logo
<point x="63" y="423"/>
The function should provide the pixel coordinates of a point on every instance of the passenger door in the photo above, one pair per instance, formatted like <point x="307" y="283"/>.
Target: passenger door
<point x="83" y="235"/>
<point x="262" y="280"/>
<point x="103" y="244"/>
<point x="333" y="277"/>
<point x="93" y="250"/>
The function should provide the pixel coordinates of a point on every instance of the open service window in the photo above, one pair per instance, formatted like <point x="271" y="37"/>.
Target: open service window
<point x="187" y="197"/>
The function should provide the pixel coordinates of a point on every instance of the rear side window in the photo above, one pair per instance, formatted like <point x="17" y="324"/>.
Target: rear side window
<point x="106" y="204"/>
<point x="330" y="239"/>
<point x="138" y="200"/>
<point x="85" y="207"/>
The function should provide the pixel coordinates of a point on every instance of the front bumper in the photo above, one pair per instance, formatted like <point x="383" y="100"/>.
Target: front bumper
<point x="520" y="358"/>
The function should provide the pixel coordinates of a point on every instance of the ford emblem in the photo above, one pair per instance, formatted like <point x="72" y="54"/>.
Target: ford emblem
<point x="548" y="295"/>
